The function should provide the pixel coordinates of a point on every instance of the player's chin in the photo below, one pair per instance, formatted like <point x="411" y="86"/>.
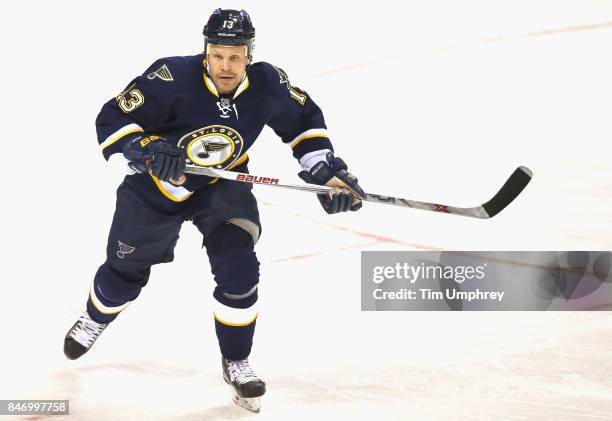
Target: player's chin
<point x="226" y="83"/>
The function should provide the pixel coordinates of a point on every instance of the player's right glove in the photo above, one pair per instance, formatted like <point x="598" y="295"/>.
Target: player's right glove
<point x="155" y="154"/>
<point x="333" y="172"/>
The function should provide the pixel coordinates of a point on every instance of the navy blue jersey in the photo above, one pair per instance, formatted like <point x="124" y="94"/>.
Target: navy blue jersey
<point x="175" y="99"/>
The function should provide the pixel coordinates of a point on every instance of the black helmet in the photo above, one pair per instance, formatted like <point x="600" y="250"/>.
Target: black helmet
<point x="230" y="27"/>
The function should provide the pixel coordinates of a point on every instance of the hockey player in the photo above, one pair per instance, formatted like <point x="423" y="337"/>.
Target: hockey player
<point x="207" y="109"/>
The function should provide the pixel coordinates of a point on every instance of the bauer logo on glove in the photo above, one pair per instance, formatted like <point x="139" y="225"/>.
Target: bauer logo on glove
<point x="156" y="155"/>
<point x="333" y="172"/>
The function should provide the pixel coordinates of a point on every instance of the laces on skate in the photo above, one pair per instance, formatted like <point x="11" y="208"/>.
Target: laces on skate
<point x="86" y="331"/>
<point x="241" y="372"/>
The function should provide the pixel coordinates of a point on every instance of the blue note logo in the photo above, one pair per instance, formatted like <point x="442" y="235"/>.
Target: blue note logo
<point x="124" y="249"/>
<point x="162" y="73"/>
<point x="212" y="146"/>
<point x="282" y="76"/>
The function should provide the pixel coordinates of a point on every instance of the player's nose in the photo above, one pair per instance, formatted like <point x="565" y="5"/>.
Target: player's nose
<point x="225" y="65"/>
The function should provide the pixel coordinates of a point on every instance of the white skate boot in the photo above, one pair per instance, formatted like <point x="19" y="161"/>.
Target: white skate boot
<point x="81" y="336"/>
<point x="247" y="387"/>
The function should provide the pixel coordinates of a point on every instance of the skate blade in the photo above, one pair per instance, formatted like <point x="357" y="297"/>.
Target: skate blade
<point x="251" y="404"/>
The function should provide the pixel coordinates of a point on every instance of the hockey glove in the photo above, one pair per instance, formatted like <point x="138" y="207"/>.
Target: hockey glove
<point x="347" y="194"/>
<point x="157" y="155"/>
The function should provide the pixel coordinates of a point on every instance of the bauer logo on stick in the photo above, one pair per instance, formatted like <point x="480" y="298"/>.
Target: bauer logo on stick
<point x="256" y="179"/>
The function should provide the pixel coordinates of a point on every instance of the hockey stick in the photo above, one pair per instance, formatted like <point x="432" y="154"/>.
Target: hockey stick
<point x="509" y="191"/>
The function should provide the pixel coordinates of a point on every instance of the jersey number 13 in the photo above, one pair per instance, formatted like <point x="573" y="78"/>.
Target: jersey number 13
<point x="130" y="100"/>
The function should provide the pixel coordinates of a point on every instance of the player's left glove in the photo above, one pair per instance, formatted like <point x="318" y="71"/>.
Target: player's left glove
<point x="333" y="172"/>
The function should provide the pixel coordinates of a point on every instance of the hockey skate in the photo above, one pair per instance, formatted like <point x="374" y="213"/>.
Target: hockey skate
<point x="81" y="336"/>
<point x="246" y="386"/>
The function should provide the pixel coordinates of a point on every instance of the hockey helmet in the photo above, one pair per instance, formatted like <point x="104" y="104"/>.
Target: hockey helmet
<point x="230" y="27"/>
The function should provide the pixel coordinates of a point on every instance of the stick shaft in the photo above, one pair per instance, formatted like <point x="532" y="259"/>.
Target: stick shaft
<point x="513" y="186"/>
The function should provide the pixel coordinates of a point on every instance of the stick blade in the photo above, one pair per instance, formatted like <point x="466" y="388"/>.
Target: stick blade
<point x="509" y="191"/>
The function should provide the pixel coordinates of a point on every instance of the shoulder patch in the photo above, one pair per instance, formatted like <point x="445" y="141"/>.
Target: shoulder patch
<point x="163" y="73"/>
<point x="283" y="78"/>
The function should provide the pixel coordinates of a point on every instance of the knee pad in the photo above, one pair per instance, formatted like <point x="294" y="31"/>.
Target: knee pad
<point x="233" y="262"/>
<point x="228" y="236"/>
<point x="247" y="225"/>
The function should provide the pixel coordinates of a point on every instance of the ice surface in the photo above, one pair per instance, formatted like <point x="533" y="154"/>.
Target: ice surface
<point x="444" y="113"/>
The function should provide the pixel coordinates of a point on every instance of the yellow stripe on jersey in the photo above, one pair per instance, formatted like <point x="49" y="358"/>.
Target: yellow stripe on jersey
<point x="310" y="136"/>
<point x="120" y="134"/>
<point x="179" y="193"/>
<point x="170" y="191"/>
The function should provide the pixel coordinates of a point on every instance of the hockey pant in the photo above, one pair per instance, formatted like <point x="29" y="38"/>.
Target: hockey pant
<point x="142" y="236"/>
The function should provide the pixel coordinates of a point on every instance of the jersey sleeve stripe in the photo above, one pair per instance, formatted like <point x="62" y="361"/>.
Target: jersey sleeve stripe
<point x="313" y="144"/>
<point x="307" y="135"/>
<point x="119" y="134"/>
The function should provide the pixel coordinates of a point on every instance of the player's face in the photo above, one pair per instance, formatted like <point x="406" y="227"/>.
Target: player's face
<point x="227" y="66"/>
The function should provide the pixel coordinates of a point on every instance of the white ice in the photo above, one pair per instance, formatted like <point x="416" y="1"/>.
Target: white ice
<point x="437" y="101"/>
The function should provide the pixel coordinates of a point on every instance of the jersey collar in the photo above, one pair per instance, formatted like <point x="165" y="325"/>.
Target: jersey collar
<point x="243" y="86"/>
